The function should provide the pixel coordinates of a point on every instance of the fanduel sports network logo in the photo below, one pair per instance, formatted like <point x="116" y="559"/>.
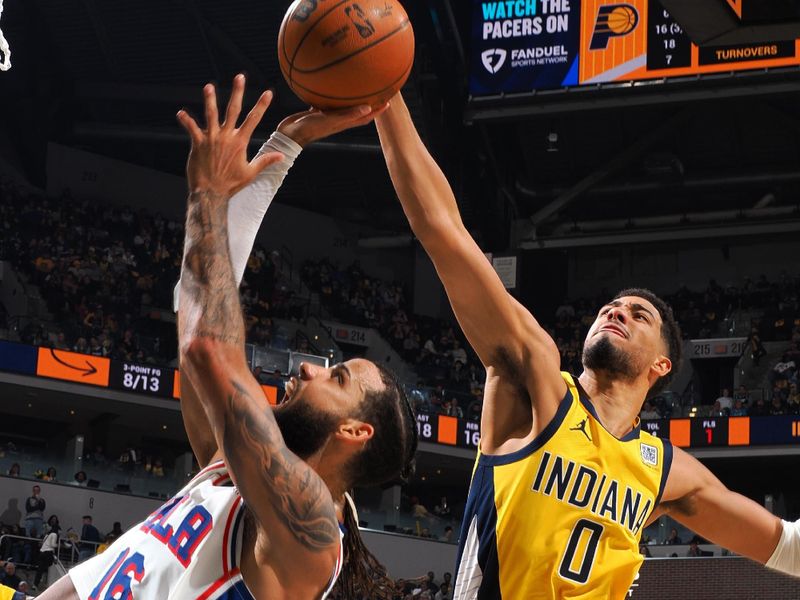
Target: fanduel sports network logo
<point x="494" y="59"/>
<point x="613" y="20"/>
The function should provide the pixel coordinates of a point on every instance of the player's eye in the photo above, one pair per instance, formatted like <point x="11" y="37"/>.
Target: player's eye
<point x="641" y="317"/>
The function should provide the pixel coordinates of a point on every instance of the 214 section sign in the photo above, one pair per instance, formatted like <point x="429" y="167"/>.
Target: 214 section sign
<point x="527" y="45"/>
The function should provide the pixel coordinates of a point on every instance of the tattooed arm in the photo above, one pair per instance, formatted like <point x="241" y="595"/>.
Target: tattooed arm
<point x="246" y="210"/>
<point x="287" y="497"/>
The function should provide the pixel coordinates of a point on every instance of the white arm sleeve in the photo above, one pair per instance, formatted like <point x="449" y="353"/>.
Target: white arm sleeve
<point x="786" y="557"/>
<point x="248" y="207"/>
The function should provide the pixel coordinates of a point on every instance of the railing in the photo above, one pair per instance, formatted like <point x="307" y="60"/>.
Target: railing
<point x="300" y="338"/>
<point x="22" y="550"/>
<point x="79" y="550"/>
<point x="100" y="477"/>
<point x="317" y="328"/>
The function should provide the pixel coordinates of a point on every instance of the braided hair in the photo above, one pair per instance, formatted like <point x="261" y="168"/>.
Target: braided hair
<point x="387" y="457"/>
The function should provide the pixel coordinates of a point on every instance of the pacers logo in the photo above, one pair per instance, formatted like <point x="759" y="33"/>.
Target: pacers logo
<point x="494" y="59"/>
<point x="613" y="20"/>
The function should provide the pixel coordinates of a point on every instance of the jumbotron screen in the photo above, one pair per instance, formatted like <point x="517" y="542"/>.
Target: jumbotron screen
<point x="530" y="45"/>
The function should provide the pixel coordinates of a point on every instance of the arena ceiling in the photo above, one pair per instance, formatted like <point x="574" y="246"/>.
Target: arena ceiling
<point x="109" y="76"/>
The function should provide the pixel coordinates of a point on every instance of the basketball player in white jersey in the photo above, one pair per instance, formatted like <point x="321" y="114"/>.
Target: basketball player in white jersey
<point x="266" y="517"/>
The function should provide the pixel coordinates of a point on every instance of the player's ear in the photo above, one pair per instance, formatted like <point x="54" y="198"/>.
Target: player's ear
<point x="661" y="366"/>
<point x="355" y="431"/>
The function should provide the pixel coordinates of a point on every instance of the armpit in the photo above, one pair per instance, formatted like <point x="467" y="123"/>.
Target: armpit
<point x="684" y="506"/>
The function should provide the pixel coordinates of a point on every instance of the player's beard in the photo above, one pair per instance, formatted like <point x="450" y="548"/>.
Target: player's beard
<point x="304" y="429"/>
<point x="605" y="356"/>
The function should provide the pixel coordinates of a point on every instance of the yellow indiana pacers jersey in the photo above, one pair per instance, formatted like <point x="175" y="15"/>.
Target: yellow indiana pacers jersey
<point x="6" y="593"/>
<point x="562" y="517"/>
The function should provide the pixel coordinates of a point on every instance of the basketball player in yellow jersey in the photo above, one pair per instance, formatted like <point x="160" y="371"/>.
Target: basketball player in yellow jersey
<point x="565" y="480"/>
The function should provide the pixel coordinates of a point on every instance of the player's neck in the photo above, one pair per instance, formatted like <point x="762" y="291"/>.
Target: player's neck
<point x="330" y="471"/>
<point x="616" y="401"/>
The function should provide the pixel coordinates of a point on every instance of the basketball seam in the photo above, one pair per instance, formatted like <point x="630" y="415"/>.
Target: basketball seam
<point x="282" y="49"/>
<point x="375" y="93"/>
<point x="402" y="27"/>
<point x="306" y="34"/>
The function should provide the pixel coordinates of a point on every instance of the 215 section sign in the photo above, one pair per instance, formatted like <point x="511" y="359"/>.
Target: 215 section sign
<point x="528" y="45"/>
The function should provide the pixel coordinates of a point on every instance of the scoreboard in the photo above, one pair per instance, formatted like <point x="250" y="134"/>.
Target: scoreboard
<point x="164" y="382"/>
<point x="697" y="432"/>
<point x="449" y="431"/>
<point x="143" y="379"/>
<point x="704" y="432"/>
<point x="146" y="379"/>
<point x="530" y="45"/>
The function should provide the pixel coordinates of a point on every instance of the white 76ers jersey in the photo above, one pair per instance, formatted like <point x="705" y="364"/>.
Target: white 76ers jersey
<point x="189" y="549"/>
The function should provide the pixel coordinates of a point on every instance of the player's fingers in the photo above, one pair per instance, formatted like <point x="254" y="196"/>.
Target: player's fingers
<point x="348" y="115"/>
<point x="353" y="117"/>
<point x="235" y="103"/>
<point x="212" y="114"/>
<point x="369" y="117"/>
<point x="191" y="126"/>
<point x="294" y="119"/>
<point x="380" y="109"/>
<point x="253" y="118"/>
<point x="262" y="161"/>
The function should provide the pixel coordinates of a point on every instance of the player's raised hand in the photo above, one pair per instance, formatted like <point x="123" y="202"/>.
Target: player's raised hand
<point x="313" y="124"/>
<point x="218" y="158"/>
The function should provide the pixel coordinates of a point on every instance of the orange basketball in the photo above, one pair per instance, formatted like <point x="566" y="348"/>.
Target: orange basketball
<point x="339" y="53"/>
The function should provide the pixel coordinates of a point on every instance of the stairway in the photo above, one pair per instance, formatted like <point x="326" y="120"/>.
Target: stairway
<point x="756" y="377"/>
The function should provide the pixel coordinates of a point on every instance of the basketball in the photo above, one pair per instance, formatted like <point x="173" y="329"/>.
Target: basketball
<point x="341" y="53"/>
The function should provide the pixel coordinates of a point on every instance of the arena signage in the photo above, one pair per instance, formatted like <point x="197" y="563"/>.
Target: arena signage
<point x="349" y="334"/>
<point x="530" y="45"/>
<point x="524" y="44"/>
<point x="144" y="379"/>
<point x="448" y="431"/>
<point x="164" y="382"/>
<point x="717" y="348"/>
<point x="125" y="376"/>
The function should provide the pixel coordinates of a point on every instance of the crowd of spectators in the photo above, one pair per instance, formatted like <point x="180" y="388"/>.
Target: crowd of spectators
<point x="99" y="268"/>
<point x="30" y="544"/>
<point x="426" y="587"/>
<point x="107" y="275"/>
<point x="783" y="379"/>
<point x="451" y="377"/>
<point x="131" y="462"/>
<point x="438" y="351"/>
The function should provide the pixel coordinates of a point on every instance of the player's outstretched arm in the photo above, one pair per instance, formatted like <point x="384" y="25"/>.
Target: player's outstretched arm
<point x="195" y="422"/>
<point x="695" y="497"/>
<point x="504" y="334"/>
<point x="246" y="211"/>
<point x="287" y="497"/>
